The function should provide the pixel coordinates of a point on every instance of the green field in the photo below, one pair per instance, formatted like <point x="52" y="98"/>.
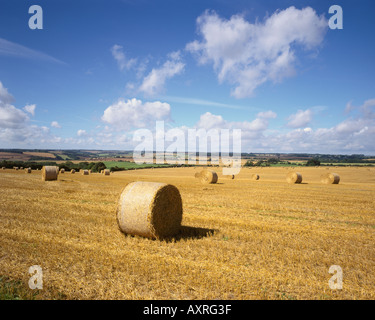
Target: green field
<point x="131" y="165"/>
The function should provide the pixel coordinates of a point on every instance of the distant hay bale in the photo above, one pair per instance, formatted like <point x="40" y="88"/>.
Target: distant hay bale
<point x="150" y="209"/>
<point x="330" y="178"/>
<point x="101" y="171"/>
<point x="85" y="172"/>
<point x="255" y="176"/>
<point x="208" y="176"/>
<point x="16" y="168"/>
<point x="3" y="168"/>
<point x="72" y="171"/>
<point x="231" y="176"/>
<point x="294" y="177"/>
<point x="28" y="170"/>
<point x="62" y="170"/>
<point x="49" y="173"/>
<point x="106" y="172"/>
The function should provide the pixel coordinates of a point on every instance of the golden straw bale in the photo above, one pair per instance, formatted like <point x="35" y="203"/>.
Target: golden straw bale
<point x="330" y="178"/>
<point x="28" y="170"/>
<point x="49" y="173"/>
<point x="255" y="176"/>
<point x="62" y="170"/>
<point x="85" y="172"/>
<point x="72" y="171"/>
<point x="294" y="177"/>
<point x="106" y="172"/>
<point x="208" y="176"/>
<point x="150" y="209"/>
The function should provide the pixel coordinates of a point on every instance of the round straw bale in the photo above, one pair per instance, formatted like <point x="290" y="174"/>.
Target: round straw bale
<point x="16" y="168"/>
<point x="255" y="176"/>
<point x="294" y="177"/>
<point x="62" y="170"/>
<point x="231" y="176"/>
<point x="106" y="172"/>
<point x="3" y="168"/>
<point x="28" y="170"/>
<point x="208" y="176"/>
<point x="49" y="173"/>
<point x="85" y="172"/>
<point x="72" y="171"/>
<point x="330" y="178"/>
<point x="150" y="209"/>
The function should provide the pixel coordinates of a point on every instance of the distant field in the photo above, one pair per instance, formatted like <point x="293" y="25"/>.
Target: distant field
<point x="13" y="156"/>
<point x="241" y="239"/>
<point x="41" y="154"/>
<point x="126" y="164"/>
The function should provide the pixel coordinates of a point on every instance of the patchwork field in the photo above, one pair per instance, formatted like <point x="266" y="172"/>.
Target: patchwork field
<point x="241" y="239"/>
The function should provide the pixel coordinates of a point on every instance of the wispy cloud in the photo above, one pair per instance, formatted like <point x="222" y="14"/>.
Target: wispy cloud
<point x="202" y="102"/>
<point x="8" y="48"/>
<point x="154" y="82"/>
<point x="122" y="61"/>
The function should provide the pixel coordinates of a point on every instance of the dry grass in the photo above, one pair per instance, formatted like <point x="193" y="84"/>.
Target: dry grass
<point x="241" y="239"/>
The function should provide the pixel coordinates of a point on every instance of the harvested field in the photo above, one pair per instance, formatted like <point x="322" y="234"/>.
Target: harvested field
<point x="40" y="154"/>
<point x="240" y="239"/>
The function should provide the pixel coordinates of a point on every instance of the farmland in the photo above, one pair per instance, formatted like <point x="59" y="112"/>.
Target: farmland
<point x="240" y="239"/>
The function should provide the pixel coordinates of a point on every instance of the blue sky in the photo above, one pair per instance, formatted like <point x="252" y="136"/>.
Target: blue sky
<point x="98" y="70"/>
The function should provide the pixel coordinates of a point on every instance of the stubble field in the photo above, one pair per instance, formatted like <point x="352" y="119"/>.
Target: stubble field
<point x="241" y="239"/>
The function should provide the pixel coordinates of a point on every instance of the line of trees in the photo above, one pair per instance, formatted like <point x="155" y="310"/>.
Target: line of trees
<point x="68" y="165"/>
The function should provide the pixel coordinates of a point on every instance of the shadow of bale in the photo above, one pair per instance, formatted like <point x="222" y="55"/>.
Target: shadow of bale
<point x="187" y="232"/>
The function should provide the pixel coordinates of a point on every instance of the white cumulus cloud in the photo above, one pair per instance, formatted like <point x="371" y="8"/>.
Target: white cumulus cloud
<point x="300" y="119"/>
<point x="249" y="54"/>
<point x="134" y="113"/>
<point x="81" y="133"/>
<point x="30" y="108"/>
<point x="5" y="96"/>
<point x="55" y="124"/>
<point x="10" y="116"/>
